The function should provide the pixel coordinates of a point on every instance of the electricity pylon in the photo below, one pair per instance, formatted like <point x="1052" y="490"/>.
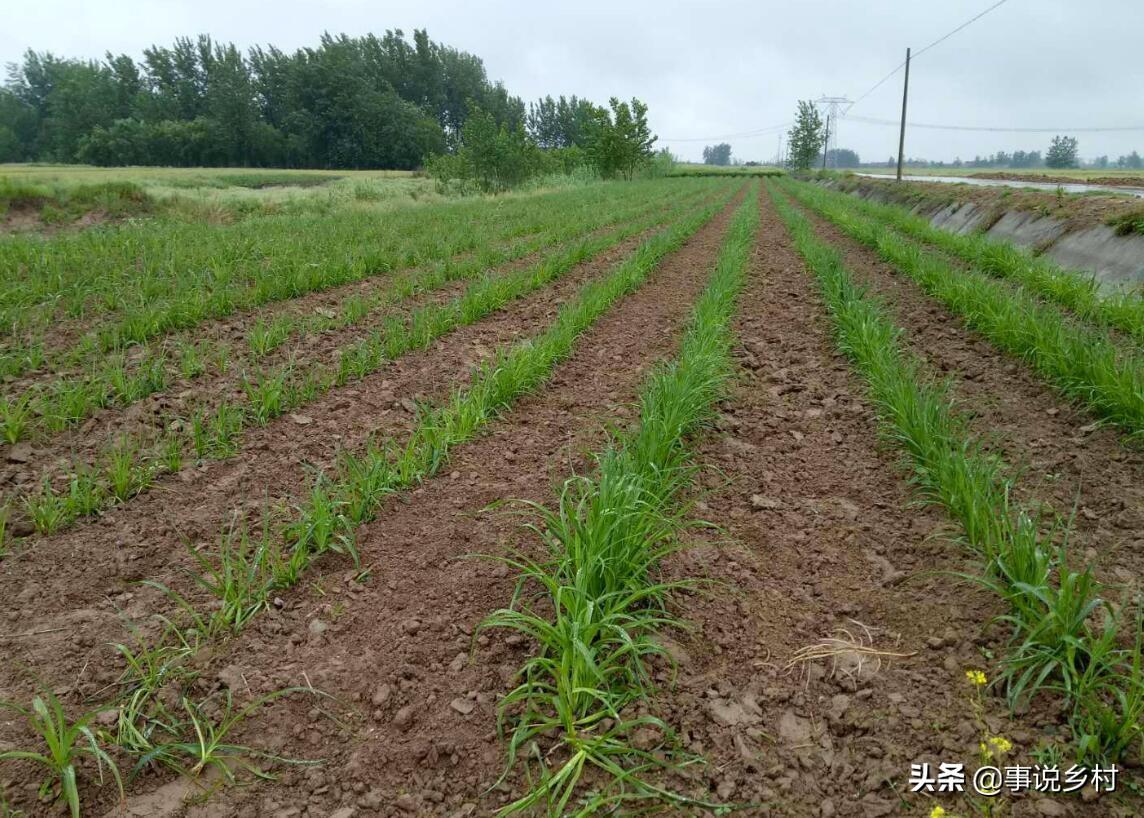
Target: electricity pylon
<point x="832" y="104"/>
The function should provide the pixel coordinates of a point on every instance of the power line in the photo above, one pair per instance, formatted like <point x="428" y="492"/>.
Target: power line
<point x="869" y="120"/>
<point x="939" y="40"/>
<point x="757" y="132"/>
<point x="874" y="87"/>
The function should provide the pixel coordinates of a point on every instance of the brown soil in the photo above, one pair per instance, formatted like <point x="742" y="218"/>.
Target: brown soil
<point x="371" y="638"/>
<point x="1063" y="458"/>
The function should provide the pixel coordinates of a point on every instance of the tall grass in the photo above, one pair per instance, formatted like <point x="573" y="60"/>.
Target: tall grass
<point x="1065" y="636"/>
<point x="1082" y="363"/>
<point x="593" y="604"/>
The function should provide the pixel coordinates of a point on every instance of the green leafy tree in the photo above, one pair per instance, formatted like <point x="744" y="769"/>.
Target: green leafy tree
<point x="621" y="141"/>
<point x="717" y="154"/>
<point x="806" y="138"/>
<point x="1062" y="152"/>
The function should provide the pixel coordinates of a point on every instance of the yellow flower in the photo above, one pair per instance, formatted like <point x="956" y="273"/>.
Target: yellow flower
<point x="938" y="812"/>
<point x="1001" y="744"/>
<point x="977" y="677"/>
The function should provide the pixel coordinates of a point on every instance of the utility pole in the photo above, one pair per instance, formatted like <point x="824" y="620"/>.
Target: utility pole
<point x="826" y="142"/>
<point x="902" y="132"/>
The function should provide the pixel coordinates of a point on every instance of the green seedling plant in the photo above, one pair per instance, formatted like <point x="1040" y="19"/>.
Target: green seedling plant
<point x="15" y="415"/>
<point x="208" y="746"/>
<point x="47" y="509"/>
<point x="65" y="744"/>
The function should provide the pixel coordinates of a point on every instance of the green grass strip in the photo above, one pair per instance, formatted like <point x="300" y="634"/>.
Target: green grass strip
<point x="1066" y="638"/>
<point x="1085" y="365"/>
<point x="1072" y="289"/>
<point x="599" y="604"/>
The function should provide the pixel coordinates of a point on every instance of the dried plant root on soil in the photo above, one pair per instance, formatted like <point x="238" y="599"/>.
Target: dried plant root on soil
<point x="1086" y="365"/>
<point x="1071" y="289"/>
<point x="604" y="541"/>
<point x="248" y="571"/>
<point x="132" y="463"/>
<point x="1066" y="639"/>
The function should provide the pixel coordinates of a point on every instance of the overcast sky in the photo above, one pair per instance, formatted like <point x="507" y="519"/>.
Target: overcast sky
<point x="713" y="68"/>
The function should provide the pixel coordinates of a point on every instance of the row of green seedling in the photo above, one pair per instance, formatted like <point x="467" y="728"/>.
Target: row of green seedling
<point x="1066" y="638"/>
<point x="217" y="433"/>
<point x="68" y="401"/>
<point x="207" y="271"/>
<point x="592" y="601"/>
<point x="1083" y="363"/>
<point x="1072" y="289"/>
<point x="247" y="569"/>
<point x="477" y="232"/>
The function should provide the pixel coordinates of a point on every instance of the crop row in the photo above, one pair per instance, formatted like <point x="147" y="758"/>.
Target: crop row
<point x="1083" y="363"/>
<point x="159" y="720"/>
<point x="133" y="462"/>
<point x="160" y="277"/>
<point x="1069" y="288"/>
<point x="1066" y="638"/>
<point x="65" y="401"/>
<point x="592" y="602"/>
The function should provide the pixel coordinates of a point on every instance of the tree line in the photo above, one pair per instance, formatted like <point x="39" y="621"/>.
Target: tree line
<point x="350" y="102"/>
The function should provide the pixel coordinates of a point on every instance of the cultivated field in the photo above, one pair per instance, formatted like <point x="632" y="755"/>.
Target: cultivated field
<point x="326" y="495"/>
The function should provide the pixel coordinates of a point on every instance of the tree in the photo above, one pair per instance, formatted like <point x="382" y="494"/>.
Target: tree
<point x="621" y="141"/>
<point x="717" y="154"/>
<point x="1062" y="152"/>
<point x="842" y="158"/>
<point x="806" y="137"/>
<point x="1132" y="160"/>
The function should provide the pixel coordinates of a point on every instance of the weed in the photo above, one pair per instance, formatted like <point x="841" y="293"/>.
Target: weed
<point x="65" y="743"/>
<point x="46" y="508"/>
<point x="15" y="413"/>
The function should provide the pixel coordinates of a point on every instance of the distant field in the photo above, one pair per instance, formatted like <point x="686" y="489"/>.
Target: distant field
<point x="32" y="195"/>
<point x="693" y="169"/>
